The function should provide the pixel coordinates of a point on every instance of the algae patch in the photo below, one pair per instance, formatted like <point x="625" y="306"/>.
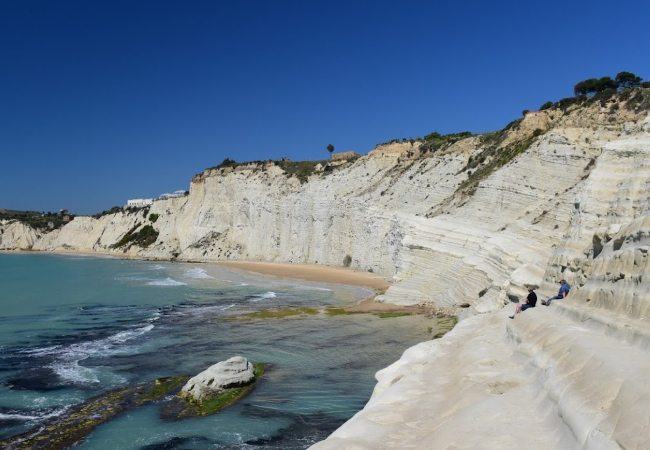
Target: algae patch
<point x="278" y="314"/>
<point x="230" y="396"/>
<point x="69" y="429"/>
<point x="184" y="408"/>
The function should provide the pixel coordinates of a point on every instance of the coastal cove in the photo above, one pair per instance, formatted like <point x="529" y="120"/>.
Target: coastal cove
<point x="91" y="324"/>
<point x="461" y="224"/>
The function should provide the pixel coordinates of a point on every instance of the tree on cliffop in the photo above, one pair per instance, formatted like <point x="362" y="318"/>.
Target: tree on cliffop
<point x="628" y="79"/>
<point x="330" y="148"/>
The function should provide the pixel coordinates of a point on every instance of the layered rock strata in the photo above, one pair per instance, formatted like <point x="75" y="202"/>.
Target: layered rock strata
<point x="559" y="194"/>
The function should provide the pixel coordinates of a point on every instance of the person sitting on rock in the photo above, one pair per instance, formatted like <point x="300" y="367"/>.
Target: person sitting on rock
<point x="530" y="302"/>
<point x="562" y="293"/>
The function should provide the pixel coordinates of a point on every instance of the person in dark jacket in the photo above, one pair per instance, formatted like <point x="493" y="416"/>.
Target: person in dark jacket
<point x="530" y="302"/>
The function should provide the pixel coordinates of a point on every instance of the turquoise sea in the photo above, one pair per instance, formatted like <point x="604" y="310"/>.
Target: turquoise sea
<point x="73" y="327"/>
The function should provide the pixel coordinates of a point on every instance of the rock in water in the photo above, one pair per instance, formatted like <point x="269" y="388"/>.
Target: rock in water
<point x="234" y="372"/>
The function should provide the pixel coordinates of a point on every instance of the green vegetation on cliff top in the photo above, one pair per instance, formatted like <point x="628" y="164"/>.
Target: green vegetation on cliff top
<point x="37" y="220"/>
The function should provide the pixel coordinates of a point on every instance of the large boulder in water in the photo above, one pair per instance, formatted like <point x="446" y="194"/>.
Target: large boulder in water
<point x="234" y="372"/>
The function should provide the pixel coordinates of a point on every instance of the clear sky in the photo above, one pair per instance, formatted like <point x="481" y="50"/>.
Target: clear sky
<point x="102" y="101"/>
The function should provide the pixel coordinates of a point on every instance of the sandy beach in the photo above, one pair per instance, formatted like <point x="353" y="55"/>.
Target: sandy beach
<point x="312" y="272"/>
<point x="330" y="274"/>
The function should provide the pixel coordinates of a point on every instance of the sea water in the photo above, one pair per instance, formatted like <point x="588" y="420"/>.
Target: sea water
<point x="73" y="327"/>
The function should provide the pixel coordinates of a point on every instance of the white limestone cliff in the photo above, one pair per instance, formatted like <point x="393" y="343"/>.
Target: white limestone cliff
<point x="15" y="235"/>
<point x="572" y="203"/>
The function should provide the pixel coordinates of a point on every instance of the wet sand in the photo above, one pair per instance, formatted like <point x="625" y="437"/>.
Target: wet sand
<point x="313" y="272"/>
<point x="330" y="274"/>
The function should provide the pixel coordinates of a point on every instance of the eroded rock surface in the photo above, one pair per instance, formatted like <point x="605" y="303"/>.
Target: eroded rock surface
<point x="233" y="372"/>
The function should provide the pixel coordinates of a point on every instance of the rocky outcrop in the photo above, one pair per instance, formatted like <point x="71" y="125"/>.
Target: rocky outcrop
<point x="15" y="235"/>
<point x="234" y="372"/>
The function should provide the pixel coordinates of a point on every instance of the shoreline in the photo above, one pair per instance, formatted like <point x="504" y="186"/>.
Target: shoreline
<point x="332" y="274"/>
<point x="308" y="272"/>
<point x="311" y="272"/>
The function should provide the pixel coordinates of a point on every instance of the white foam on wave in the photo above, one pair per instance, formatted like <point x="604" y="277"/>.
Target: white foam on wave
<point x="156" y="267"/>
<point x="66" y="365"/>
<point x="31" y="417"/>
<point x="134" y="279"/>
<point x="17" y="417"/>
<point x="198" y="273"/>
<point x="225" y="281"/>
<point x="264" y="296"/>
<point x="166" y="282"/>
<point x="311" y="288"/>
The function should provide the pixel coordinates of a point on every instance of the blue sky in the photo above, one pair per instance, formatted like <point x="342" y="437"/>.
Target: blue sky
<point x="102" y="101"/>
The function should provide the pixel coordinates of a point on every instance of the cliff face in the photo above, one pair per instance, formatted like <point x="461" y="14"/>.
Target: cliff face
<point x="16" y="235"/>
<point x="572" y="375"/>
<point x="421" y="218"/>
<point x="560" y="194"/>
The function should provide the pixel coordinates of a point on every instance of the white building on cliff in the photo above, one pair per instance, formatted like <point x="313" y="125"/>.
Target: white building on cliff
<point x="139" y="202"/>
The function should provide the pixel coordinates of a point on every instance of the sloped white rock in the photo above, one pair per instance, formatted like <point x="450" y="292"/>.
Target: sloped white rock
<point x="15" y="235"/>
<point x="233" y="372"/>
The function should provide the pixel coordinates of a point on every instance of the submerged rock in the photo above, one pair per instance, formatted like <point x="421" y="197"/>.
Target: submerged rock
<point x="234" y="372"/>
<point x="70" y="428"/>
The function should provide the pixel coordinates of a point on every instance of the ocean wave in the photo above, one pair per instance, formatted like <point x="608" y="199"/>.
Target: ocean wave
<point x="17" y="417"/>
<point x="134" y="279"/>
<point x="264" y="296"/>
<point x="197" y="273"/>
<point x="156" y="267"/>
<point x="35" y="415"/>
<point x="166" y="282"/>
<point x="66" y="362"/>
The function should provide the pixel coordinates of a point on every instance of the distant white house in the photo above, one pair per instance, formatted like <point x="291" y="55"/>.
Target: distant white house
<point x="139" y="202"/>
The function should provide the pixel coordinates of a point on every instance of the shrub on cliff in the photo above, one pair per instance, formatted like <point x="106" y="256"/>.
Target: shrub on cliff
<point x="436" y="141"/>
<point x="301" y="169"/>
<point x="603" y="96"/>
<point x="143" y="238"/>
<point x="546" y="105"/>
<point x="113" y="210"/>
<point x="347" y="260"/>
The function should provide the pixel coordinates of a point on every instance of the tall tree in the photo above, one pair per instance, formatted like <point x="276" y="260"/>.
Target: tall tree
<point x="606" y="83"/>
<point x="330" y="148"/>
<point x="628" y="79"/>
<point x="589" y="86"/>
